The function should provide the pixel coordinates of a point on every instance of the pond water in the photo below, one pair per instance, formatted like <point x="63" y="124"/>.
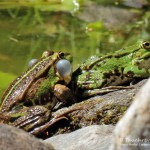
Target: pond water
<point x="28" y="28"/>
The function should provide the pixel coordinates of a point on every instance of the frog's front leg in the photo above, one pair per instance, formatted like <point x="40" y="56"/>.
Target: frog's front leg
<point x="138" y="70"/>
<point x="64" y="95"/>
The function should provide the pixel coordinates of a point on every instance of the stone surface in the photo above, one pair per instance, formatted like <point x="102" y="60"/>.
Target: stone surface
<point x="12" y="138"/>
<point x="111" y="16"/>
<point x="103" y="109"/>
<point x="95" y="137"/>
<point x="135" y="3"/>
<point x="133" y="130"/>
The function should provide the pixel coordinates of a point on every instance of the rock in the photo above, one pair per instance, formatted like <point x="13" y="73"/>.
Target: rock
<point x="103" y="109"/>
<point x="12" y="138"/>
<point x="133" y="130"/>
<point x="135" y="3"/>
<point x="111" y="16"/>
<point x="95" y="137"/>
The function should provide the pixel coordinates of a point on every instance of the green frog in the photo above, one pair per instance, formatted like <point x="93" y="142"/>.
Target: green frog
<point x="48" y="84"/>
<point x="106" y="73"/>
<point x="30" y="99"/>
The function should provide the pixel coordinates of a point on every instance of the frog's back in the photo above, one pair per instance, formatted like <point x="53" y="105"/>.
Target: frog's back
<point x="17" y="89"/>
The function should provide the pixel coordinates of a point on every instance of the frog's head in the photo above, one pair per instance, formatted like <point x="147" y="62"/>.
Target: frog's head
<point x="62" y="64"/>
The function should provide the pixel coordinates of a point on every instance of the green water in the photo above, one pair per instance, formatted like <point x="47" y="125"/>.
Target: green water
<point x="27" y="28"/>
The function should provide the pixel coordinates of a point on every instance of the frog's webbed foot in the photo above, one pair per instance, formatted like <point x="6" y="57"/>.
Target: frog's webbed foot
<point x="52" y="121"/>
<point x="42" y="128"/>
<point x="104" y="90"/>
<point x="33" y="119"/>
<point x="29" y="117"/>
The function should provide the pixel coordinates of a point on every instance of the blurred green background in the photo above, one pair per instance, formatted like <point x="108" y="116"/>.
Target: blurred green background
<point x="81" y="27"/>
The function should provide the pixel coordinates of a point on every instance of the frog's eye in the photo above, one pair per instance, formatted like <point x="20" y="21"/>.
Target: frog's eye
<point x="64" y="68"/>
<point x="62" y="54"/>
<point x="32" y="62"/>
<point x="146" y="45"/>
